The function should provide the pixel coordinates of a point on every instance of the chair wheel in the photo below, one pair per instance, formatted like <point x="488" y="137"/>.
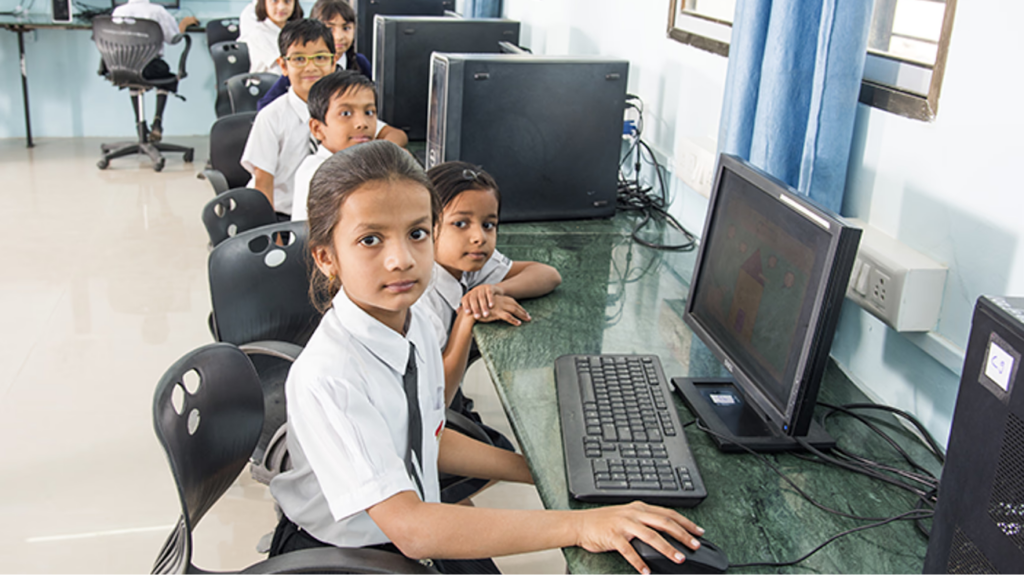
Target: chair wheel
<point x="159" y="165"/>
<point x="103" y="163"/>
<point x="188" y="155"/>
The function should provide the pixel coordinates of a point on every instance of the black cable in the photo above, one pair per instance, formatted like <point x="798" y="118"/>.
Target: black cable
<point x="935" y="449"/>
<point x="866" y="471"/>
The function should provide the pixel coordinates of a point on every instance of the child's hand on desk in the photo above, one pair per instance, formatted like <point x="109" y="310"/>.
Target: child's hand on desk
<point x="504" y="308"/>
<point x="612" y="527"/>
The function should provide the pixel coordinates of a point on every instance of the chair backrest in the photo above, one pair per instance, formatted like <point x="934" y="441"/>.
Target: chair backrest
<point x="126" y="46"/>
<point x="245" y="90"/>
<point x="227" y="142"/>
<point x="260" y="289"/>
<point x="223" y="30"/>
<point x="229" y="59"/>
<point x="234" y="211"/>
<point x="208" y="414"/>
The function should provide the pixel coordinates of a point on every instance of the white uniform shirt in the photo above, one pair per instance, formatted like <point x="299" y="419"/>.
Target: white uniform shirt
<point x="304" y="175"/>
<point x="146" y="11"/>
<point x="261" y="39"/>
<point x="278" y="143"/>
<point x="444" y="294"/>
<point x="348" y="423"/>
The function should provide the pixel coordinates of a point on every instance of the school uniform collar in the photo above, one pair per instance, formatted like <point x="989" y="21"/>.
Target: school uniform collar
<point x="450" y="288"/>
<point x="300" y="108"/>
<point x="387" y="345"/>
<point x="323" y="153"/>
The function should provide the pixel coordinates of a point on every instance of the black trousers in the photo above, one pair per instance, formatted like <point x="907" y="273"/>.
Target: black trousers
<point x="288" y="538"/>
<point x="157" y="69"/>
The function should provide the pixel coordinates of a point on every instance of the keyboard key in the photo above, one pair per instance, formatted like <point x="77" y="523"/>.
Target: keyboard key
<point x="612" y="484"/>
<point x="644" y="485"/>
<point x="608" y="433"/>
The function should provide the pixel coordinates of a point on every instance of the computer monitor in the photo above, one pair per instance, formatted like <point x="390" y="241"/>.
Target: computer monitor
<point x="366" y="10"/>
<point x="765" y="296"/>
<point x="401" y="60"/>
<point x="548" y="128"/>
<point x="169" y="4"/>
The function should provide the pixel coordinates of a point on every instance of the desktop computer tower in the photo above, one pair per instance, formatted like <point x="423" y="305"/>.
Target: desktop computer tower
<point x="62" y="11"/>
<point x="366" y="10"/>
<point x="979" y="519"/>
<point x="401" y="60"/>
<point x="548" y="128"/>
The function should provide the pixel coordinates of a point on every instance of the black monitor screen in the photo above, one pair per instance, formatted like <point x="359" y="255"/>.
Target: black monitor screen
<point x="762" y="267"/>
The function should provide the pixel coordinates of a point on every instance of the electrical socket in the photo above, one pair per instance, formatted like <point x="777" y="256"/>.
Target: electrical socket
<point x="896" y="283"/>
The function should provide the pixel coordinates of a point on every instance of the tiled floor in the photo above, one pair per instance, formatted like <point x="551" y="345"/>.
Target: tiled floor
<point x="103" y="286"/>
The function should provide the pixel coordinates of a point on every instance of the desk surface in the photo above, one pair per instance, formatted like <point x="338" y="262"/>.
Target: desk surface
<point x="619" y="297"/>
<point x="41" y="21"/>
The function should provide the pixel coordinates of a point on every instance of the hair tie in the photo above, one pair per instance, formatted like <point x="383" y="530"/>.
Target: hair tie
<point x="469" y="174"/>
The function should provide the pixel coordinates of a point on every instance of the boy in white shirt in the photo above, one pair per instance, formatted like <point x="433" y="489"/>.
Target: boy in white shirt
<point x="157" y="67"/>
<point x="280" y="139"/>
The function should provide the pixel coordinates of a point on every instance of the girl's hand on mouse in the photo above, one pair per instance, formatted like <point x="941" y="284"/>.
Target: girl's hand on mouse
<point x="480" y="300"/>
<point x="612" y="527"/>
<point x="506" y="308"/>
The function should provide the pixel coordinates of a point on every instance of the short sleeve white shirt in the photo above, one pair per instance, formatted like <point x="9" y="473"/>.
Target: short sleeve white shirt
<point x="444" y="294"/>
<point x="348" y="423"/>
<point x="247" y="19"/>
<point x="261" y="39"/>
<point x="146" y="11"/>
<point x="278" y="143"/>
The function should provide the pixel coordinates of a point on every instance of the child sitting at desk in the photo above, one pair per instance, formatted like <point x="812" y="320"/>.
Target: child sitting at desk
<point x="342" y="113"/>
<point x="341" y="19"/>
<point x="262" y="39"/>
<point x="366" y="397"/>
<point x="280" y="138"/>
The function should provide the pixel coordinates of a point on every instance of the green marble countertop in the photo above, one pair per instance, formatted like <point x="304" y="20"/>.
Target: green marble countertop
<point x="620" y="297"/>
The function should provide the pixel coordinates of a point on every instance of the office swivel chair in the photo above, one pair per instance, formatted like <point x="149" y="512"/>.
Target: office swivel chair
<point x="245" y="90"/>
<point x="229" y="59"/>
<point x="208" y="413"/>
<point x="126" y="46"/>
<point x="235" y="211"/>
<point x="227" y="142"/>
<point x="223" y="30"/>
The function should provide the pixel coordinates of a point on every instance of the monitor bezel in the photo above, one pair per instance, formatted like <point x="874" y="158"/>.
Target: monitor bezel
<point x="794" y="419"/>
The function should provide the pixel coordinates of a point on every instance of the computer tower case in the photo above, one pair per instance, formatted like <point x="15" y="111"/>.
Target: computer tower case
<point x="367" y="9"/>
<point x="548" y="128"/>
<point x="401" y="60"/>
<point x="979" y="519"/>
<point x="62" y="11"/>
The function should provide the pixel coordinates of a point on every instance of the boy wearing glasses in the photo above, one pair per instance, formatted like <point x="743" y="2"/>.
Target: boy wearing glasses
<point x="280" y="139"/>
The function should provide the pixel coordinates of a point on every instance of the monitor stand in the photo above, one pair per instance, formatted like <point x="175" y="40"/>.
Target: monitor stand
<point x="721" y="407"/>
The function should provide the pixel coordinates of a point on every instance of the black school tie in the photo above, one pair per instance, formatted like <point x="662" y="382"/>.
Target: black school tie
<point x="415" y="419"/>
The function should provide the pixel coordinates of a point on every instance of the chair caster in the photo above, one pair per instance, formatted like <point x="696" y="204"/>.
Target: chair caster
<point x="188" y="156"/>
<point x="159" y="165"/>
<point x="103" y="163"/>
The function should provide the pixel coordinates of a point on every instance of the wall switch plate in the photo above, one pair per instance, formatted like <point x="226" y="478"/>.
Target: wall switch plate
<point x="896" y="283"/>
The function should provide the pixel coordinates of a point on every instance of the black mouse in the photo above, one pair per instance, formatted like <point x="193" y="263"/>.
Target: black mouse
<point x="708" y="559"/>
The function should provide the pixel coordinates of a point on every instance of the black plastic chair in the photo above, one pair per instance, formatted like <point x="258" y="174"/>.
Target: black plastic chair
<point x="229" y="59"/>
<point x="126" y="46"/>
<point x="235" y="211"/>
<point x="227" y="142"/>
<point x="208" y="413"/>
<point x="222" y="30"/>
<point x="245" y="90"/>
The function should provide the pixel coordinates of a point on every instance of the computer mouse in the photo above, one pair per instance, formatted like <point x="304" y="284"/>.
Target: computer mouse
<point x="708" y="559"/>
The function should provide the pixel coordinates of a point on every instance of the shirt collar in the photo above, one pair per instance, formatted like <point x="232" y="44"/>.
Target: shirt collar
<point x="387" y="345"/>
<point x="322" y="152"/>
<point x="297" y="105"/>
<point x="450" y="289"/>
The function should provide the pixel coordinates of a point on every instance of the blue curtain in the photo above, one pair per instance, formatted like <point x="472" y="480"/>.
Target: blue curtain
<point x="481" y="9"/>
<point x="791" y="90"/>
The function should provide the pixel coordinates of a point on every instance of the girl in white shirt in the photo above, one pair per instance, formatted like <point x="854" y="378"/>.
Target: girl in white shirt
<point x="366" y="396"/>
<point x="261" y="39"/>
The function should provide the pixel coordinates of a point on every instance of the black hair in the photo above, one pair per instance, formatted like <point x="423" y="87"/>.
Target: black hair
<point x="341" y="175"/>
<point x="327" y="10"/>
<point x="335" y="84"/>
<point x="302" y="32"/>
<point x="453" y="178"/>
<point x="261" y="11"/>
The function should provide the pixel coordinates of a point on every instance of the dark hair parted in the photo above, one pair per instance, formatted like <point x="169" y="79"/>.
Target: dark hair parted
<point x="453" y="178"/>
<point x="337" y="178"/>
<point x="302" y="32"/>
<point x="335" y="84"/>
<point x="261" y="11"/>
<point x="327" y="10"/>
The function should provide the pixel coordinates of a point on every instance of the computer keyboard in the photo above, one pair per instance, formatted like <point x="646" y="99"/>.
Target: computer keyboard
<point x="622" y="436"/>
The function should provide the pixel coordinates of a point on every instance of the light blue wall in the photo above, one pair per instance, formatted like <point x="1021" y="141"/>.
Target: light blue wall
<point x="949" y="188"/>
<point x="67" y="97"/>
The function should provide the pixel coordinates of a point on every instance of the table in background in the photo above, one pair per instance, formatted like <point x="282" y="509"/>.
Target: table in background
<point x="619" y="297"/>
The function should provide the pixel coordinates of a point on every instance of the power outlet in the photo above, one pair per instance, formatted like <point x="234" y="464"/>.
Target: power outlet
<point x="896" y="283"/>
